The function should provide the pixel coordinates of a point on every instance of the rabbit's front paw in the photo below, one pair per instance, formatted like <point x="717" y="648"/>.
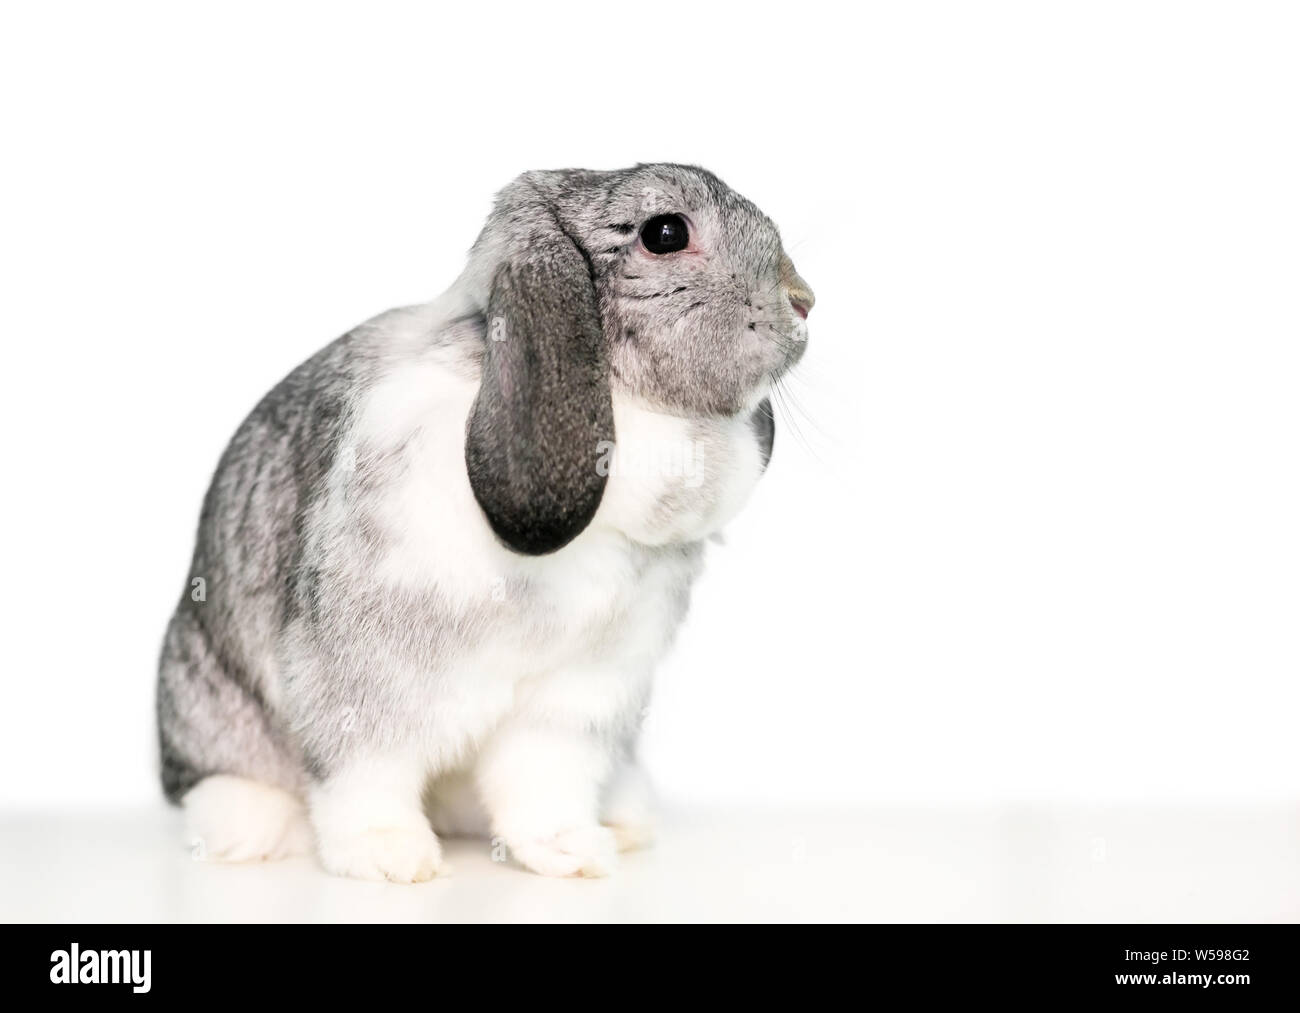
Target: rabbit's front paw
<point x="585" y="851"/>
<point x="397" y="854"/>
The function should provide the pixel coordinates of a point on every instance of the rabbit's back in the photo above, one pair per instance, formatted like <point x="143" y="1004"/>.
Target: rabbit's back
<point x="219" y="674"/>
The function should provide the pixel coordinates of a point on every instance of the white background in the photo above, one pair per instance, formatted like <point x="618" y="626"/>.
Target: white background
<point x="1039" y="537"/>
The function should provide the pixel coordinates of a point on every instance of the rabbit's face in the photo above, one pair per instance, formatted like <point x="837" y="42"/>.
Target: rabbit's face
<point x="657" y="282"/>
<point x="700" y="305"/>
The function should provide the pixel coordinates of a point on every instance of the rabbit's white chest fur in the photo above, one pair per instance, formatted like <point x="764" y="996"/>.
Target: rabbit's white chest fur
<point x="672" y="481"/>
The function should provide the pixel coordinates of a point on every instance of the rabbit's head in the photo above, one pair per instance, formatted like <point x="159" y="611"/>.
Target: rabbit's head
<point x="657" y="282"/>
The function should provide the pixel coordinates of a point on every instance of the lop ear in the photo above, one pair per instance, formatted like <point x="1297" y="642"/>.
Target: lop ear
<point x="543" y="409"/>
<point x="763" y="422"/>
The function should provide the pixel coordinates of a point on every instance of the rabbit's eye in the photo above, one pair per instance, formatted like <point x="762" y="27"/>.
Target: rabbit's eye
<point x="665" y="234"/>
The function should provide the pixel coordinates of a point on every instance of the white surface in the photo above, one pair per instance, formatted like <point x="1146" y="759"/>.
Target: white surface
<point x="1009" y="864"/>
<point x="1039" y="537"/>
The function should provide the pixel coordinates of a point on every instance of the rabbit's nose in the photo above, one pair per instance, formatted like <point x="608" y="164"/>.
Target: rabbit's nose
<point x="800" y="294"/>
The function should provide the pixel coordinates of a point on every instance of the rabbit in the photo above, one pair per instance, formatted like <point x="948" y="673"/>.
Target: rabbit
<point x="439" y="562"/>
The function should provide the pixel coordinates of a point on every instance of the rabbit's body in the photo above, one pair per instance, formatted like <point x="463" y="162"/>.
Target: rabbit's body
<point x="370" y="623"/>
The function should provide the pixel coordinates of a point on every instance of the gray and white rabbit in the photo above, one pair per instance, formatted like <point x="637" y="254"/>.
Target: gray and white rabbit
<point x="439" y="562"/>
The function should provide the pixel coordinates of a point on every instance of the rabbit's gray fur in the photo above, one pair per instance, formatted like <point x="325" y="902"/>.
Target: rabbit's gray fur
<point x="411" y="557"/>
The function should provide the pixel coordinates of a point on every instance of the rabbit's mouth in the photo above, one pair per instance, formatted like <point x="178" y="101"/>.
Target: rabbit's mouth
<point x="795" y="344"/>
<point x="788" y="338"/>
